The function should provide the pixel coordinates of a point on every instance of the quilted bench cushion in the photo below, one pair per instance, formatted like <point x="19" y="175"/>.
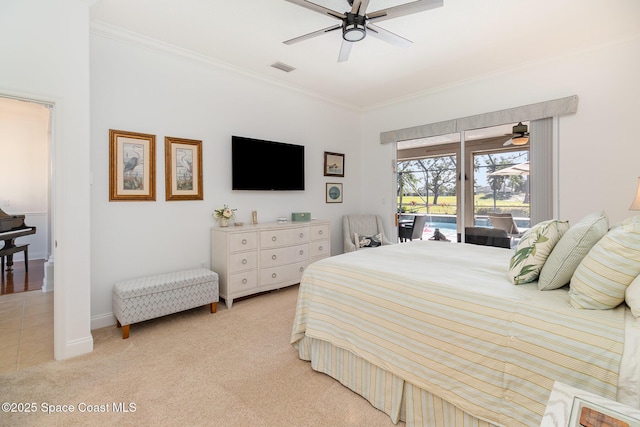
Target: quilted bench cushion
<point x="163" y="283"/>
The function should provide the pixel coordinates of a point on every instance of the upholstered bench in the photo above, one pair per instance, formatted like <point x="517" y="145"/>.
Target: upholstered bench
<point x="149" y="297"/>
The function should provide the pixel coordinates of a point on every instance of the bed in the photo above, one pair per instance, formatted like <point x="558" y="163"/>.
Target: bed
<point x="435" y="333"/>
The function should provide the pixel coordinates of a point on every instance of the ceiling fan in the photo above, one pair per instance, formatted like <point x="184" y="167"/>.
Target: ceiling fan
<point x="519" y="135"/>
<point x="356" y="23"/>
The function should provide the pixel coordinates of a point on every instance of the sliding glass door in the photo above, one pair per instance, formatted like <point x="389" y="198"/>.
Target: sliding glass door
<point x="496" y="180"/>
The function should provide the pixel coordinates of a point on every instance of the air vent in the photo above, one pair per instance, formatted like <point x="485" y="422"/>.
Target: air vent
<point x="284" y="67"/>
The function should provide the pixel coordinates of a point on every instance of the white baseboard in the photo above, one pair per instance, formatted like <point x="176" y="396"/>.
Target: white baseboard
<point x="75" y="348"/>
<point x="103" y="321"/>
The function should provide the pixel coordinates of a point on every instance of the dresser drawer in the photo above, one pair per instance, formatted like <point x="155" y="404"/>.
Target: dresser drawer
<point x="275" y="238"/>
<point x="319" y="232"/>
<point x="281" y="256"/>
<point x="243" y="261"/>
<point x="284" y="274"/>
<point x="319" y="249"/>
<point x="240" y="282"/>
<point x="243" y="241"/>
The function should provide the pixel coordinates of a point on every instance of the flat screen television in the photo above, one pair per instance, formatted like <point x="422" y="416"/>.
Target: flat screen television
<point x="262" y="165"/>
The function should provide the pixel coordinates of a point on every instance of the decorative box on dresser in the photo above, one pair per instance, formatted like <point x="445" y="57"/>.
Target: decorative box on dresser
<point x="262" y="257"/>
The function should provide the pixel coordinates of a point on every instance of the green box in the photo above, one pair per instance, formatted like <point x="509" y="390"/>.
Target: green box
<point x="300" y="216"/>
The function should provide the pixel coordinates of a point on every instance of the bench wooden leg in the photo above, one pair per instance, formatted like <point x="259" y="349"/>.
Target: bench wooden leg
<point x="125" y="331"/>
<point x="214" y="307"/>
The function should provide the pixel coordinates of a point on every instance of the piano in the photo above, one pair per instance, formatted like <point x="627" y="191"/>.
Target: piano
<point x="12" y="227"/>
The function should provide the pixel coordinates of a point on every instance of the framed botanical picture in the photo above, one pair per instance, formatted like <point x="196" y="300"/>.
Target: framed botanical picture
<point x="132" y="173"/>
<point x="334" y="192"/>
<point x="183" y="168"/>
<point x="333" y="164"/>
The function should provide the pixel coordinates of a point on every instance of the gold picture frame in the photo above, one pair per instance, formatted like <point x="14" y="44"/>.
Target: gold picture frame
<point x="183" y="169"/>
<point x="132" y="172"/>
<point x="333" y="164"/>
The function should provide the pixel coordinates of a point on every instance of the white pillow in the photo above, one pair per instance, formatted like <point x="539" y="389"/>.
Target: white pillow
<point x="602" y="278"/>
<point x="533" y="249"/>
<point x="571" y="249"/>
<point x="632" y="296"/>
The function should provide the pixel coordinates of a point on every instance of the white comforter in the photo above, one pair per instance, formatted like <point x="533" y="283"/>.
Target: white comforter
<point x="445" y="317"/>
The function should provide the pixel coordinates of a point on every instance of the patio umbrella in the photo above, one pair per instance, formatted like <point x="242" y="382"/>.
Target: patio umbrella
<point x="519" y="169"/>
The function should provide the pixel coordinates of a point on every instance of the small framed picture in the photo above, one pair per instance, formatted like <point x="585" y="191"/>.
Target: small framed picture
<point x="183" y="169"/>
<point x="132" y="173"/>
<point x="333" y="164"/>
<point x="334" y="192"/>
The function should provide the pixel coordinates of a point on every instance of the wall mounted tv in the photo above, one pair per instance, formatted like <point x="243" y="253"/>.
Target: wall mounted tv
<point x="262" y="165"/>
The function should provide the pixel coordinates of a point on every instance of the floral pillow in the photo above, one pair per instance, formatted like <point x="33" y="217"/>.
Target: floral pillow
<point x="533" y="249"/>
<point x="367" y="241"/>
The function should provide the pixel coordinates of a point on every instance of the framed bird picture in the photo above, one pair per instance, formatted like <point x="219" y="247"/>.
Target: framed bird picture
<point x="183" y="168"/>
<point x="132" y="173"/>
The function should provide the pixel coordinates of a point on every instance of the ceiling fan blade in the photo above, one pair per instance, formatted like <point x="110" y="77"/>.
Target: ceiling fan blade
<point x="404" y="9"/>
<point x="388" y="36"/>
<point x="318" y="8"/>
<point x="355" y="6"/>
<point x="362" y="10"/>
<point x="314" y="34"/>
<point x="345" y="50"/>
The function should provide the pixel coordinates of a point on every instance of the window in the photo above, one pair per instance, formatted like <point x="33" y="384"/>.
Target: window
<point x="429" y="171"/>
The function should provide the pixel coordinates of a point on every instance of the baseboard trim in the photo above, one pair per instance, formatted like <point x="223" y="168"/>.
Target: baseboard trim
<point x="103" y="321"/>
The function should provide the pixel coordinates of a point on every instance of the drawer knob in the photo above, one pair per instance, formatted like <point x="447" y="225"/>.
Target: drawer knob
<point x="244" y="261"/>
<point x="274" y="238"/>
<point x="244" y="241"/>
<point x="320" y="247"/>
<point x="301" y="252"/>
<point x="274" y="275"/>
<point x="301" y="269"/>
<point x="273" y="257"/>
<point x="301" y="235"/>
<point x="320" y="232"/>
<point x="244" y="281"/>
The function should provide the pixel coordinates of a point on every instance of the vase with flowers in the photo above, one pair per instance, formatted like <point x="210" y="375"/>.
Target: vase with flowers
<point x="224" y="214"/>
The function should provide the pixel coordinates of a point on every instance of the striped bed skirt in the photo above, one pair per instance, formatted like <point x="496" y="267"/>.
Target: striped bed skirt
<point x="387" y="392"/>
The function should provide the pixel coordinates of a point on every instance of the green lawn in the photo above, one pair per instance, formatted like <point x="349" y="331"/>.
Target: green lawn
<point x="447" y="204"/>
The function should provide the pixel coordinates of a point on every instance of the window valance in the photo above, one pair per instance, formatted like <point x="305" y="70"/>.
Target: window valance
<point x="540" y="110"/>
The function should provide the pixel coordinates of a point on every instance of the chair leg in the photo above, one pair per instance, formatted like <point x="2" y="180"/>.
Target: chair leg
<point x="26" y="259"/>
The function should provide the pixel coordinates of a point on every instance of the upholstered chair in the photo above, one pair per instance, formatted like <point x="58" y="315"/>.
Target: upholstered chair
<point x="367" y="227"/>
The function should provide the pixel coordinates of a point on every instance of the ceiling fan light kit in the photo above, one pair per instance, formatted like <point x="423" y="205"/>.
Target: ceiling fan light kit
<point x="356" y="23"/>
<point x="353" y="29"/>
<point x="520" y="135"/>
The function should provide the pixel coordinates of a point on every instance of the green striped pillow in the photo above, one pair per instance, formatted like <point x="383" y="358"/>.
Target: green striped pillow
<point x="601" y="279"/>
<point x="571" y="249"/>
<point x="533" y="249"/>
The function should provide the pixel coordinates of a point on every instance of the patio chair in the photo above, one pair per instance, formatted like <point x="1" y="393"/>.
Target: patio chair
<point x="366" y="226"/>
<point x="486" y="236"/>
<point x="505" y="221"/>
<point x="412" y="230"/>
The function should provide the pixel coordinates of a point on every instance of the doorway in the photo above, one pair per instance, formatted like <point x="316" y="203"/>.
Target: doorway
<point x="25" y="191"/>
<point x="429" y="179"/>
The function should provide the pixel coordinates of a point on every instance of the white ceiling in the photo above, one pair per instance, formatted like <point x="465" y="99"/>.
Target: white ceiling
<point x="461" y="40"/>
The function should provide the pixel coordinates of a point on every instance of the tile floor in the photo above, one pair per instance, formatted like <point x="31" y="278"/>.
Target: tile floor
<point x="26" y="330"/>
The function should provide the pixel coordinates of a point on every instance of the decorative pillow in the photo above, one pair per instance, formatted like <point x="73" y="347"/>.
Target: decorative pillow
<point x="533" y="249"/>
<point x="632" y="296"/>
<point x="367" y="241"/>
<point x="571" y="249"/>
<point x="602" y="278"/>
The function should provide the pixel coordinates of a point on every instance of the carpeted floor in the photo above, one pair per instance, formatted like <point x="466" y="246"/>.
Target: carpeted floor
<point x="231" y="368"/>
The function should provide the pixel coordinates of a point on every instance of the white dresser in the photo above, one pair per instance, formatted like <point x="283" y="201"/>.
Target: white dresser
<point x="263" y="257"/>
